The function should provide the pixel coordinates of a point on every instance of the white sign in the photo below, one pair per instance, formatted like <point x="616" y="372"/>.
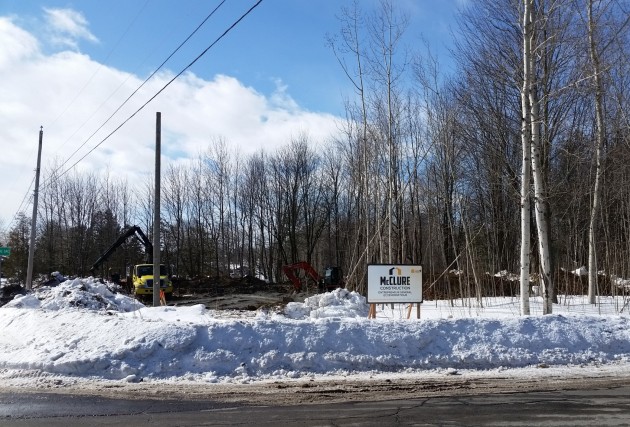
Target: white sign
<point x="394" y="283"/>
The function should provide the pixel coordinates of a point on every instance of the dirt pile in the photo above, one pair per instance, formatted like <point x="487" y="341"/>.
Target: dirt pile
<point x="218" y="286"/>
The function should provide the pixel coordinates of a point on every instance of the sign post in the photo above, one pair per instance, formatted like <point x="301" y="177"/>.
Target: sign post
<point x="393" y="283"/>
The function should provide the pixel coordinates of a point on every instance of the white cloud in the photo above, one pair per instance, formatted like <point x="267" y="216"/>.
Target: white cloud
<point x="67" y="27"/>
<point x="41" y="89"/>
<point x="15" y="43"/>
<point x="282" y="98"/>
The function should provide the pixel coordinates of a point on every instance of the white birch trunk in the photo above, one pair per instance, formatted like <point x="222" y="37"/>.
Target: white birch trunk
<point x="526" y="164"/>
<point x="525" y="223"/>
<point x="542" y="215"/>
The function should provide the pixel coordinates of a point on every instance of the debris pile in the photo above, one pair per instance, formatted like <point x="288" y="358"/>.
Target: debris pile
<point x="8" y="291"/>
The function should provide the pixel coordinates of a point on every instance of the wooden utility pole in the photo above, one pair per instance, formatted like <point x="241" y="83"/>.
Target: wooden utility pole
<point x="156" y="212"/>
<point x="31" y="245"/>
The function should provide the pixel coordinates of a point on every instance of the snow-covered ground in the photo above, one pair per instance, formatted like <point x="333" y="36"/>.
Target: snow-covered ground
<point x="81" y="329"/>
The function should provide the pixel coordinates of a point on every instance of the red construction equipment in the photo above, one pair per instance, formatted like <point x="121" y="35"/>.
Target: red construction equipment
<point x="289" y="271"/>
<point x="332" y="276"/>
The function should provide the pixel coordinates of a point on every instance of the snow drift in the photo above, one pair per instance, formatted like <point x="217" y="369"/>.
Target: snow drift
<point x="81" y="328"/>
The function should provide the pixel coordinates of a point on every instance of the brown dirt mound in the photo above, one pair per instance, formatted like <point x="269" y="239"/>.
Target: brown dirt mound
<point x="215" y="286"/>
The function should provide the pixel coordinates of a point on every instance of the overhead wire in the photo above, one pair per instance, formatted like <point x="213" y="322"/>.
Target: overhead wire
<point x="143" y="83"/>
<point x="159" y="91"/>
<point x="126" y="100"/>
<point x="122" y="83"/>
<point x="109" y="54"/>
<point x="99" y="68"/>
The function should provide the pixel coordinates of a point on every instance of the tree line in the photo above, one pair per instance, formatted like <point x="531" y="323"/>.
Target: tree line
<point x="515" y="161"/>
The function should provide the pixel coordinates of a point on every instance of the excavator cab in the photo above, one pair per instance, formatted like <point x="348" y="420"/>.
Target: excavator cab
<point x="333" y="279"/>
<point x="142" y="280"/>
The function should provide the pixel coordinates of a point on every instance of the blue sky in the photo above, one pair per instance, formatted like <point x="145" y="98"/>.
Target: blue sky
<point x="282" y="40"/>
<point x="68" y="64"/>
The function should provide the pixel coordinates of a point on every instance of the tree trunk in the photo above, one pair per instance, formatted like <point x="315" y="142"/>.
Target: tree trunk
<point x="526" y="163"/>
<point x="601" y="133"/>
<point x="540" y="193"/>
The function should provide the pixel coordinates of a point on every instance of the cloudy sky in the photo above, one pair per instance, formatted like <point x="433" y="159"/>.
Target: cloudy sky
<point x="69" y="65"/>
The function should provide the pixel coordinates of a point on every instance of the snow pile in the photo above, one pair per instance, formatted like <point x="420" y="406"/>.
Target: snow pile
<point x="582" y="271"/>
<point x="168" y="343"/>
<point x="338" y="303"/>
<point x="505" y="275"/>
<point x="81" y="293"/>
<point x="81" y="329"/>
<point x="621" y="283"/>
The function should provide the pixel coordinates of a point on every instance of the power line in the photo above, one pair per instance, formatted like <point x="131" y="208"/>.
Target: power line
<point x="161" y="90"/>
<point x="140" y="87"/>
<point x="165" y="36"/>
<point x="109" y="54"/>
<point x="126" y="100"/>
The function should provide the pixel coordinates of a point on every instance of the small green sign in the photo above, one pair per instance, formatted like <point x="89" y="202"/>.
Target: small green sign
<point x="4" y="251"/>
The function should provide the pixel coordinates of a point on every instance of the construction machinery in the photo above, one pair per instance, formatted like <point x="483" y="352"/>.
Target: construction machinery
<point x="142" y="280"/>
<point x="333" y="277"/>
<point x="139" y="277"/>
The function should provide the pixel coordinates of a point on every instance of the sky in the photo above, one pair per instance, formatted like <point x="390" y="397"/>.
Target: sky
<point x="82" y="333"/>
<point x="68" y="65"/>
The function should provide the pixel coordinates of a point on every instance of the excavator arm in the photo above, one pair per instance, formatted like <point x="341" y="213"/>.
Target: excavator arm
<point x="289" y="271"/>
<point x="132" y="231"/>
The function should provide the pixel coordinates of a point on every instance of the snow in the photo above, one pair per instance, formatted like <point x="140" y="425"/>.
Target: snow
<point x="85" y="329"/>
<point x="582" y="271"/>
<point x="505" y="275"/>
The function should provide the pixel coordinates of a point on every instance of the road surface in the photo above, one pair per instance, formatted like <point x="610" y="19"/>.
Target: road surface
<point x="454" y="401"/>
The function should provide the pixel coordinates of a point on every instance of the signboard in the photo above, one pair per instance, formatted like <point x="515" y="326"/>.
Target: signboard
<point x="394" y="283"/>
<point x="4" y="251"/>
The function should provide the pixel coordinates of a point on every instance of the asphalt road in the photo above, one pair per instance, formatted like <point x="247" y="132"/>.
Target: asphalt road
<point x="599" y="407"/>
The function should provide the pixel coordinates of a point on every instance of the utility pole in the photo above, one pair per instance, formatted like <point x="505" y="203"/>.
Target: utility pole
<point x="31" y="246"/>
<point x="156" y="212"/>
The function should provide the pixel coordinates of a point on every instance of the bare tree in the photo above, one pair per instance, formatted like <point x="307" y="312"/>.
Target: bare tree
<point x="599" y="41"/>
<point x="176" y="200"/>
<point x="351" y="43"/>
<point x="386" y="30"/>
<point x="526" y="142"/>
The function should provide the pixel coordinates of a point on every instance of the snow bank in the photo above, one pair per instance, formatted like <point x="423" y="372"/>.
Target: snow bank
<point x="81" y="328"/>
<point x="170" y="343"/>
